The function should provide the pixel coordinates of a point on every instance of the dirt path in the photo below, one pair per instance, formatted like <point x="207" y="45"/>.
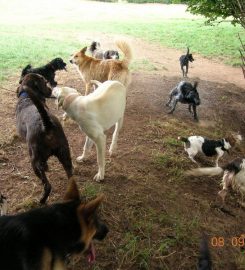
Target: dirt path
<point x="148" y="197"/>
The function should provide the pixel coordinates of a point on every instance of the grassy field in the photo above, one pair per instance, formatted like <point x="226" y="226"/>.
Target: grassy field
<point x="44" y="35"/>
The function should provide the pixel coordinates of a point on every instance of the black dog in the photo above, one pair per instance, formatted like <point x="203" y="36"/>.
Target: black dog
<point x="45" y="238"/>
<point x="40" y="129"/>
<point x="184" y="61"/>
<point x="185" y="93"/>
<point x="47" y="71"/>
<point x="96" y="52"/>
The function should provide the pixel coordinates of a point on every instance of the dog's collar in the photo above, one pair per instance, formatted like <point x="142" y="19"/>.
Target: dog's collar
<point x="23" y="94"/>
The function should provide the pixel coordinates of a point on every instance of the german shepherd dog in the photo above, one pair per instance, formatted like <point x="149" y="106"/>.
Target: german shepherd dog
<point x="43" y="238"/>
<point x="40" y="129"/>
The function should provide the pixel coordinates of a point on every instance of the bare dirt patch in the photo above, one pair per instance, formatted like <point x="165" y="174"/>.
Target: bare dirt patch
<point x="155" y="214"/>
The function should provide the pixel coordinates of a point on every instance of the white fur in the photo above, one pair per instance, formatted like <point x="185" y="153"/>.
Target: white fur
<point x="96" y="113"/>
<point x="229" y="179"/>
<point x="196" y="143"/>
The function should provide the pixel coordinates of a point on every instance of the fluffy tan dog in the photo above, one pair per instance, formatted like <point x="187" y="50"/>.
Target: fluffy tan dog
<point x="95" y="113"/>
<point x="103" y="70"/>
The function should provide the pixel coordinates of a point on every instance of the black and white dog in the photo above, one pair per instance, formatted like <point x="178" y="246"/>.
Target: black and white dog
<point x="198" y="144"/>
<point x="185" y="93"/>
<point x="97" y="52"/>
<point x="47" y="71"/>
<point x="184" y="62"/>
<point x="233" y="176"/>
<point x="3" y="205"/>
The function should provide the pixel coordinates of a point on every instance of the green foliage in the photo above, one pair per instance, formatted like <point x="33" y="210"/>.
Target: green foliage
<point x="213" y="10"/>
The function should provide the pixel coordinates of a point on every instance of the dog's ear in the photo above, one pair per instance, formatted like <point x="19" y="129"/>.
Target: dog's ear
<point x="84" y="50"/>
<point x="72" y="192"/>
<point x="87" y="210"/>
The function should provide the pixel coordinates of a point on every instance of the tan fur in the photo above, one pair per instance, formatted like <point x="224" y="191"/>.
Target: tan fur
<point x="103" y="70"/>
<point x="47" y="262"/>
<point x="231" y="140"/>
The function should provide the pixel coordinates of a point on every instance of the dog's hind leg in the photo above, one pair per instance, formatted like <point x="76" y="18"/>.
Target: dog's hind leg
<point x="40" y="173"/>
<point x="113" y="145"/>
<point x="183" y="72"/>
<point x="64" y="158"/>
<point x="189" y="108"/>
<point x="86" y="149"/>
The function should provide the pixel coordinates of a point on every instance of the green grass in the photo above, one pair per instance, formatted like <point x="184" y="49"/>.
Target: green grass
<point x="36" y="43"/>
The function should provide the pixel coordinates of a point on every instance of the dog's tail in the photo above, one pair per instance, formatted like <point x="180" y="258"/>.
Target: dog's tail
<point x="188" y="50"/>
<point x="126" y="49"/>
<point x="97" y="83"/>
<point x="195" y="85"/>
<point x="24" y="71"/>
<point x="209" y="171"/>
<point x="204" y="260"/>
<point x="47" y="122"/>
<point x="183" y="139"/>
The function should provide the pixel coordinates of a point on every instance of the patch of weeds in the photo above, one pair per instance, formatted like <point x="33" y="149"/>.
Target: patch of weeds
<point x="90" y="190"/>
<point x="143" y="64"/>
<point x="162" y="159"/>
<point x="134" y="252"/>
<point x="172" y="141"/>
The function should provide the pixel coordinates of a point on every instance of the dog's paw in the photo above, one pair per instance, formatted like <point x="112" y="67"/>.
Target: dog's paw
<point x="112" y="151"/>
<point x="98" y="177"/>
<point x="64" y="116"/>
<point x="80" y="159"/>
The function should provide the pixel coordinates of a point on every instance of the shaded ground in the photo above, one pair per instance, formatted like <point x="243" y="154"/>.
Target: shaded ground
<point x="155" y="214"/>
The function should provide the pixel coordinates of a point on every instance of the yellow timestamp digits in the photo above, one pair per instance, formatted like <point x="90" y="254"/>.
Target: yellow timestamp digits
<point x="236" y="241"/>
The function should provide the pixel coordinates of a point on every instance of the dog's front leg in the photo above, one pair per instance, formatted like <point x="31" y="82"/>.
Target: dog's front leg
<point x="226" y="181"/>
<point x="173" y="107"/>
<point x="189" y="108"/>
<point x="194" y="107"/>
<point x="100" y="142"/>
<point x="87" y="88"/>
<point x="86" y="149"/>
<point x="169" y="101"/>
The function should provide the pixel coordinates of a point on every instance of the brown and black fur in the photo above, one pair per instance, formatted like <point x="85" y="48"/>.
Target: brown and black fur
<point x="42" y="239"/>
<point x="40" y="129"/>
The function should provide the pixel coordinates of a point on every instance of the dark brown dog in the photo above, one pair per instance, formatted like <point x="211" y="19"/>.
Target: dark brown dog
<point x="40" y="129"/>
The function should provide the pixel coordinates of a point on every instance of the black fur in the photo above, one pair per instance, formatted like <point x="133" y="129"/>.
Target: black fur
<point x="208" y="147"/>
<point x="204" y="260"/>
<point x="184" y="62"/>
<point x="47" y="71"/>
<point x="40" y="129"/>
<point x="233" y="166"/>
<point x="25" y="237"/>
<point x="185" y="93"/>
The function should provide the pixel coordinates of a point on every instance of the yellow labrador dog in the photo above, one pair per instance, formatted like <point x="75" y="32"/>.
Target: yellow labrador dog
<point x="95" y="113"/>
